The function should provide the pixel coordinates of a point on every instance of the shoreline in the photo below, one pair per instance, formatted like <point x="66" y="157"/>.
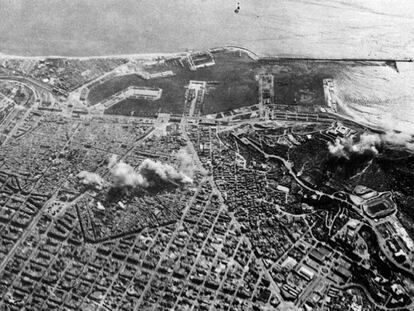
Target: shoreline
<point x="135" y="55"/>
<point x="252" y="54"/>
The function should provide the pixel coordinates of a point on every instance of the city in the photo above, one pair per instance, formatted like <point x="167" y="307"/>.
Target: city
<point x="202" y="180"/>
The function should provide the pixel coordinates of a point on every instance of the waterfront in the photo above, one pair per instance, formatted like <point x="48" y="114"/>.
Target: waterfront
<point x="362" y="29"/>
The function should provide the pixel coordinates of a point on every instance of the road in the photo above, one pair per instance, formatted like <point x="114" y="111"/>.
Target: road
<point x="371" y="300"/>
<point x="288" y="165"/>
<point x="28" y="80"/>
<point x="37" y="217"/>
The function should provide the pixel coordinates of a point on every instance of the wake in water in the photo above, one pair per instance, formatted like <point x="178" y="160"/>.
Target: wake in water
<point x="378" y="95"/>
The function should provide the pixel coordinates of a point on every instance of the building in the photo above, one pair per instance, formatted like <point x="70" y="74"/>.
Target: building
<point x="306" y="273"/>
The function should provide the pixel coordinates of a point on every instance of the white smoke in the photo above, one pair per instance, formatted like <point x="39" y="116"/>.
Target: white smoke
<point x="112" y="160"/>
<point x="344" y="147"/>
<point x="165" y="171"/>
<point x="91" y="179"/>
<point x="338" y="148"/>
<point x="399" y="139"/>
<point x="369" y="143"/>
<point x="125" y="175"/>
<point x="185" y="162"/>
<point x="149" y="173"/>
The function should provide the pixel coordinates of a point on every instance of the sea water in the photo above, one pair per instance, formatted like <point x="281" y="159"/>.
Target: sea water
<point x="314" y="28"/>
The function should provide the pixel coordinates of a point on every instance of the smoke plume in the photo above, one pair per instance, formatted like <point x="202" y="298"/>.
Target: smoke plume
<point x="125" y="175"/>
<point x="149" y="174"/>
<point x="399" y="139"/>
<point x="148" y="168"/>
<point x="91" y="179"/>
<point x="185" y="162"/>
<point x="345" y="147"/>
<point x="369" y="143"/>
<point x="112" y="160"/>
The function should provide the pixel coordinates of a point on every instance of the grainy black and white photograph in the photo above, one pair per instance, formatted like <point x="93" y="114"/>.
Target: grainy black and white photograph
<point x="212" y="155"/>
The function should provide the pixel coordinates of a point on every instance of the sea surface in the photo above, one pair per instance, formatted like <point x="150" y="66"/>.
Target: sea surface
<point x="314" y="28"/>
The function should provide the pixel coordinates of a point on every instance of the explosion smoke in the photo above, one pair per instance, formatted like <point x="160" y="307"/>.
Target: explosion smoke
<point x="186" y="163"/>
<point x="112" y="160"/>
<point x="399" y="139"/>
<point x="344" y="147"/>
<point x="164" y="171"/>
<point x="369" y="144"/>
<point x="91" y="179"/>
<point x="125" y="175"/>
<point x="149" y="173"/>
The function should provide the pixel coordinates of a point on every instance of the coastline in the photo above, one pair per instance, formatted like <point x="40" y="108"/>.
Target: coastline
<point x="137" y="56"/>
<point x="252" y="54"/>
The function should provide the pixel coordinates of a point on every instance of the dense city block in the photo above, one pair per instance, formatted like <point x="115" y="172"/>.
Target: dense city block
<point x="209" y="180"/>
